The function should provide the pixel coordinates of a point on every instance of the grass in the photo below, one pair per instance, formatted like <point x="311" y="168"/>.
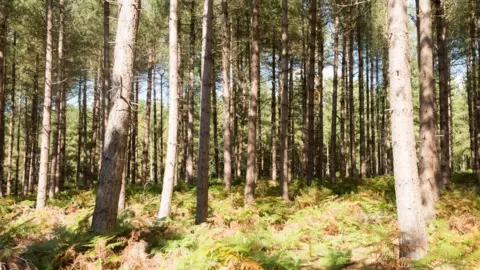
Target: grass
<point x="346" y="226"/>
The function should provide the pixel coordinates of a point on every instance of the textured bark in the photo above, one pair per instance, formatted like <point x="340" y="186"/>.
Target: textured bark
<point x="285" y="102"/>
<point x="443" y="70"/>
<point x="361" y="94"/>
<point x="471" y="95"/>
<point x="333" y="135"/>
<point x="3" y="36"/>
<point x="411" y="224"/>
<point x="85" y="171"/>
<point x="311" y="91"/>
<point x="252" y="110"/>
<point x="191" y="96"/>
<point x="343" y="111"/>
<point x="291" y="138"/>
<point x="273" y="139"/>
<point x="155" y="125"/>
<point x="216" y="158"/>
<point x="146" y="137"/>
<point x="45" y="142"/>
<point x="204" y="137"/>
<point x="321" y="167"/>
<point x="11" y="129"/>
<point x="428" y="165"/>
<point x="113" y="157"/>
<point x="227" y="148"/>
<point x="106" y="69"/>
<point x="170" y="162"/>
<point x="79" y="135"/>
<point x="55" y="163"/>
<point x="93" y="141"/>
<point x="351" y="108"/>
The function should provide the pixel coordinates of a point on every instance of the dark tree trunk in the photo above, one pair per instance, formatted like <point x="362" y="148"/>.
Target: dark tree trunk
<point x="333" y="135"/>
<point x="311" y="92"/>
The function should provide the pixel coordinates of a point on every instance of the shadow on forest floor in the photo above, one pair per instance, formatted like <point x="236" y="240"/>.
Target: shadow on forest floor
<point x="349" y="225"/>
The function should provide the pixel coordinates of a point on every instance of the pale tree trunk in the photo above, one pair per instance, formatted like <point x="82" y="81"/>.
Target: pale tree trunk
<point x="411" y="224"/>
<point x="361" y="90"/>
<point x="333" y="135"/>
<point x="133" y="144"/>
<point x="204" y="137"/>
<point x="191" y="96"/>
<point x="47" y="101"/>
<point x="146" y="137"/>
<point x="443" y="97"/>
<point x="311" y="91"/>
<point x="116" y="133"/>
<point x="170" y="162"/>
<point x="252" y="110"/>
<point x="283" y="147"/>
<point x="428" y="165"/>
<point x="273" y="146"/>
<point x="11" y="129"/>
<point x="227" y="148"/>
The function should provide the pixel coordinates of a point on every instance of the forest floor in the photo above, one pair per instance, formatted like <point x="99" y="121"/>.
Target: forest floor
<point x="347" y="226"/>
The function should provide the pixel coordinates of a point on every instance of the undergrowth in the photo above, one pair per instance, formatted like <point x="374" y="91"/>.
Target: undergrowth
<point x="351" y="225"/>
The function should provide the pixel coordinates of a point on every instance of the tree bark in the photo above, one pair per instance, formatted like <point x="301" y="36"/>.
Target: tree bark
<point x="443" y="85"/>
<point x="204" y="137"/>
<point x="285" y="102"/>
<point x="413" y="236"/>
<point x="146" y="137"/>
<point x="227" y="148"/>
<point x="191" y="95"/>
<point x="79" y="134"/>
<point x="321" y="167"/>
<point x="343" y="111"/>
<point x="311" y="91"/>
<point x="11" y="129"/>
<point x="106" y="69"/>
<point x="113" y="157"/>
<point x="351" y="108"/>
<point x="170" y="162"/>
<point x="252" y="111"/>
<point x="361" y="94"/>
<point x="428" y="165"/>
<point x="273" y="146"/>
<point x="45" y="144"/>
<point x="155" y="125"/>
<point x="333" y="135"/>
<point x="3" y="37"/>
<point x="216" y="158"/>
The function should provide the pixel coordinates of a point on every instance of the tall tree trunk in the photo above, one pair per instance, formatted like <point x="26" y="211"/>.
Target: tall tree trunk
<point x="216" y="158"/>
<point x="155" y="125"/>
<point x="285" y="102"/>
<point x="191" y="95"/>
<point x="27" y="150"/>
<point x="133" y="178"/>
<point x="204" y="138"/>
<point x="113" y="157"/>
<point x="311" y="91"/>
<point x="343" y="110"/>
<point x="361" y="113"/>
<point x="34" y="128"/>
<point x="146" y="137"/>
<point x="273" y="146"/>
<point x="47" y="100"/>
<point x="17" y="159"/>
<point x="320" y="51"/>
<point x="413" y="236"/>
<point x="3" y="37"/>
<point x="79" y="135"/>
<point x="477" y="96"/>
<point x="11" y="129"/>
<point x="333" y="134"/>
<point x="168" y="177"/>
<point x="428" y="165"/>
<point x="252" y="111"/>
<point x="353" y="162"/>
<point x="290" y="116"/>
<point x="86" y="177"/>
<point x="162" y="166"/>
<point x="93" y="142"/>
<point x="106" y="69"/>
<point x="443" y="85"/>
<point x="373" y="123"/>
<point x="56" y="154"/>
<point x="227" y="148"/>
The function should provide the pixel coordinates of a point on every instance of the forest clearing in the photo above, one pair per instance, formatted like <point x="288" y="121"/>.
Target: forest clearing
<point x="241" y="134"/>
